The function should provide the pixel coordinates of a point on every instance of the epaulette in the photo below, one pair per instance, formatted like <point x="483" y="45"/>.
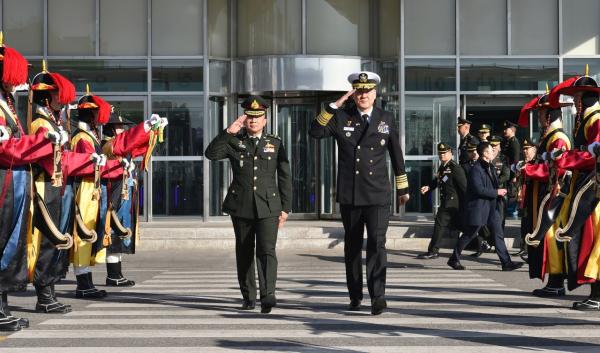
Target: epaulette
<point x="273" y="136"/>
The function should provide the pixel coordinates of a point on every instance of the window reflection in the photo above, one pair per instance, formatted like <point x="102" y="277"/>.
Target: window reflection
<point x="429" y="120"/>
<point x="419" y="173"/>
<point x="508" y="74"/>
<point x="430" y="75"/>
<point x="177" y="75"/>
<point x="104" y="75"/>
<point x="184" y="134"/>
<point x="177" y="188"/>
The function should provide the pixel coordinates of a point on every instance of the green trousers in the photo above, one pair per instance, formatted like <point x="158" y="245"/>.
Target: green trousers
<point x="263" y="232"/>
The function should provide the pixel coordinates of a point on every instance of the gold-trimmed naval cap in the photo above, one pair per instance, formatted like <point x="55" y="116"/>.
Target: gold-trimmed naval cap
<point x="255" y="106"/>
<point x="495" y="140"/>
<point x="364" y="80"/>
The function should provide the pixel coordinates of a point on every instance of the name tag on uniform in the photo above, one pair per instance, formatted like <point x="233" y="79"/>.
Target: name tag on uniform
<point x="348" y="128"/>
<point x="445" y="178"/>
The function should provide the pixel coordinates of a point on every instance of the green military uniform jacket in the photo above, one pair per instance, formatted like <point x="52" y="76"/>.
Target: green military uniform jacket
<point x="452" y="182"/>
<point x="262" y="182"/>
<point x="511" y="148"/>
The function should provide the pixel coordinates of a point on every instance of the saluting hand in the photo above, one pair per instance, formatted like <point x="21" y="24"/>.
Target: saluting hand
<point x="424" y="189"/>
<point x="344" y="98"/>
<point x="237" y="125"/>
<point x="282" y="218"/>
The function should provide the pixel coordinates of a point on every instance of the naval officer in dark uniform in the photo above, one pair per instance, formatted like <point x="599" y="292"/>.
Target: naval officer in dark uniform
<point x="452" y="183"/>
<point x="464" y="130"/>
<point x="365" y="135"/>
<point x="259" y="198"/>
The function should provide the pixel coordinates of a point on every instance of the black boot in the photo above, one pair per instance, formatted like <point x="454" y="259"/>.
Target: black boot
<point x="592" y="303"/>
<point x="114" y="276"/>
<point x="47" y="303"/>
<point x="7" y="321"/>
<point x="554" y="288"/>
<point x="55" y="298"/>
<point x="86" y="289"/>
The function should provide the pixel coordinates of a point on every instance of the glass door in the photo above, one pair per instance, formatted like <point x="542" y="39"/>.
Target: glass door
<point x="292" y="122"/>
<point x="134" y="109"/>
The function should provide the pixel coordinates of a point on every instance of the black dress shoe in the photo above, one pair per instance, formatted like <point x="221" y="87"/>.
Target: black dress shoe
<point x="248" y="304"/>
<point x="267" y="303"/>
<point x="9" y="323"/>
<point x="456" y="265"/>
<point x="24" y="323"/>
<point x="378" y="305"/>
<point x="549" y="292"/>
<point x="511" y="266"/>
<point x="587" y="305"/>
<point x="428" y="255"/>
<point x="354" y="305"/>
<point x="476" y="254"/>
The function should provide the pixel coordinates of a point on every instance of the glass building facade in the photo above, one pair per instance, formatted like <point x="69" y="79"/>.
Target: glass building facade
<point x="195" y="60"/>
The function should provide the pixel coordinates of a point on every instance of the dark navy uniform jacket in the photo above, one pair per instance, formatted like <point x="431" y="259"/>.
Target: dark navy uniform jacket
<point x="363" y="177"/>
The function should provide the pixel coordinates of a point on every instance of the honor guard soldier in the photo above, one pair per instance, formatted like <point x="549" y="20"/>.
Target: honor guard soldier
<point x="259" y="198"/>
<point x="464" y="127"/>
<point x="452" y="183"/>
<point x="583" y="228"/>
<point x="365" y="135"/>
<point x="484" y="132"/>
<point x="17" y="152"/>
<point x="529" y="192"/>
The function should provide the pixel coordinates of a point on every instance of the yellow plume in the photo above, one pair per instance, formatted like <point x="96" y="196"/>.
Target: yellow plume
<point x="87" y="89"/>
<point x="44" y="68"/>
<point x="1" y="39"/>
<point x="547" y="88"/>
<point x="587" y="69"/>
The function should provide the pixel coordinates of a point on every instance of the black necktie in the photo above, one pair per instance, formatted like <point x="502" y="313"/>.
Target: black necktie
<point x="366" y="119"/>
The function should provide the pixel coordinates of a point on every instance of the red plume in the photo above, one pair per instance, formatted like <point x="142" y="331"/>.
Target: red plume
<point x="554" y="96"/>
<point x="66" y="89"/>
<point x="103" y="110"/>
<point x="524" y="114"/>
<point x="15" y="67"/>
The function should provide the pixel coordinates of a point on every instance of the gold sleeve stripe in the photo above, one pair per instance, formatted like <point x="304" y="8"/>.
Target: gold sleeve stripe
<point x="324" y="117"/>
<point x="591" y="121"/>
<point x="403" y="185"/>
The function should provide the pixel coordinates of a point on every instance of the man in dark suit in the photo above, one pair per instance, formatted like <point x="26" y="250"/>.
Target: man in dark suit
<point x="365" y="135"/>
<point x="259" y="198"/>
<point x="452" y="183"/>
<point x="481" y="209"/>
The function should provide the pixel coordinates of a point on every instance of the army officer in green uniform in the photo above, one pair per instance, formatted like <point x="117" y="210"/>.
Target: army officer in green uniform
<point x="259" y="198"/>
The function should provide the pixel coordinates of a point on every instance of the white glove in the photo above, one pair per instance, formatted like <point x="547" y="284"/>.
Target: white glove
<point x="516" y="167"/>
<point x="131" y="167"/>
<point x="54" y="137"/>
<point x="594" y="148"/>
<point x="125" y="163"/>
<point x="153" y="121"/>
<point x="546" y="156"/>
<point x="3" y="134"/>
<point x="163" y="122"/>
<point x="98" y="159"/>
<point x="64" y="137"/>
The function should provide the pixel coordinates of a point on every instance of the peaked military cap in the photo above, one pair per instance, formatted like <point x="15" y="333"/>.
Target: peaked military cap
<point x="495" y="140"/>
<point x="485" y="128"/>
<point x="116" y="118"/>
<point x="508" y="123"/>
<point x="527" y="143"/>
<point x="364" y="80"/>
<point x="255" y="106"/>
<point x="462" y="121"/>
<point x="443" y="147"/>
<point x="471" y="147"/>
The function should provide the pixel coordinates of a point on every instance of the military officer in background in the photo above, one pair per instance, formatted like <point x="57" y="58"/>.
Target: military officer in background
<point x="259" y="198"/>
<point x="464" y="128"/>
<point x="510" y="145"/>
<point x="365" y="135"/>
<point x="503" y="172"/>
<point x="472" y="157"/>
<point x="452" y="183"/>
<point x="484" y="132"/>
